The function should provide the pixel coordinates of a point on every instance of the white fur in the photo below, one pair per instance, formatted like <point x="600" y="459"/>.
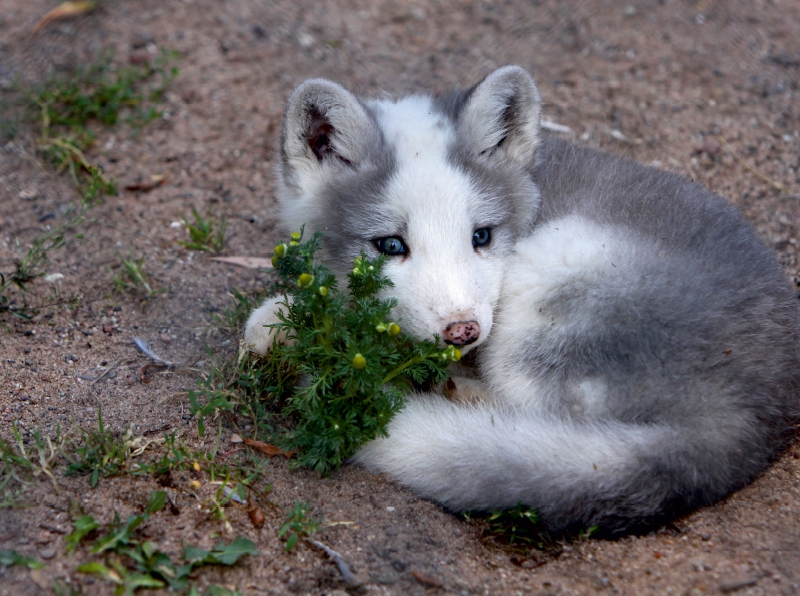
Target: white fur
<point x="443" y="279"/>
<point x="555" y="254"/>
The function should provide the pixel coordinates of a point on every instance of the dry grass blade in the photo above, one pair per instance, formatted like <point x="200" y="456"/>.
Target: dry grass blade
<point x="770" y="181"/>
<point x="248" y="262"/>
<point x="64" y="10"/>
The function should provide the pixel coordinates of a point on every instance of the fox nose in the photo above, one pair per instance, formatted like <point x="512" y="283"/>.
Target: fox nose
<point x="462" y="333"/>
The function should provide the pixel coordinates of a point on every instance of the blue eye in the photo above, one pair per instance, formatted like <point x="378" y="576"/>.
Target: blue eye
<point x="481" y="237"/>
<point x="391" y="245"/>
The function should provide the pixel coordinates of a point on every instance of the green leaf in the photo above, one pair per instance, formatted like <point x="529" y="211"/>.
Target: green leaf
<point x="220" y="591"/>
<point x="94" y="477"/>
<point x="290" y="542"/>
<point x="195" y="555"/>
<point x="11" y="557"/>
<point x="101" y="570"/>
<point x="81" y="528"/>
<point x="228" y="555"/>
<point x="156" y="503"/>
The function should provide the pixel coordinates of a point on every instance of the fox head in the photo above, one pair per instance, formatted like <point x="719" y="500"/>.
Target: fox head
<point x="442" y="186"/>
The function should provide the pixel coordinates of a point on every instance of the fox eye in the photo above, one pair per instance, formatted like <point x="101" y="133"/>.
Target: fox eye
<point x="481" y="237"/>
<point x="391" y="245"/>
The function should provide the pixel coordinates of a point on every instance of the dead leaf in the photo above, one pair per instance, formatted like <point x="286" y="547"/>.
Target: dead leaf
<point x="267" y="448"/>
<point x="147" y="185"/>
<point x="64" y="10"/>
<point x="39" y="577"/>
<point x="426" y="579"/>
<point x="248" y="262"/>
<point x="256" y="517"/>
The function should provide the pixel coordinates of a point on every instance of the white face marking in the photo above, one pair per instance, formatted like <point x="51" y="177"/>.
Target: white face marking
<point x="443" y="279"/>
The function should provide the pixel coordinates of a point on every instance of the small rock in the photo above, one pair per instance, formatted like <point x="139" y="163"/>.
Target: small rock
<point x="47" y="553"/>
<point x="53" y="277"/>
<point x="235" y="438"/>
<point x="26" y="194"/>
<point x="306" y="40"/>
<point x="112" y="374"/>
<point x="388" y="579"/>
<point x="165" y="337"/>
<point x="44" y="537"/>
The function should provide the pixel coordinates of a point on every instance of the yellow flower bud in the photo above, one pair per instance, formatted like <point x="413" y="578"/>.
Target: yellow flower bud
<point x="280" y="251"/>
<point x="274" y="261"/>
<point x="296" y="236"/>
<point x="359" y="361"/>
<point x="380" y="327"/>
<point x="305" y="280"/>
<point x="394" y="329"/>
<point x="323" y="291"/>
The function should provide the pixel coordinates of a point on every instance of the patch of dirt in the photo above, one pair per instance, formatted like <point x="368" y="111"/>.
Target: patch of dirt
<point x="657" y="80"/>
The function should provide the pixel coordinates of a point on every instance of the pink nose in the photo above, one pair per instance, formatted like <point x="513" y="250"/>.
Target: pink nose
<point x="462" y="333"/>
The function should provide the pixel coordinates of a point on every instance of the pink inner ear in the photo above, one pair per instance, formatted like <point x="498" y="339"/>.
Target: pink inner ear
<point x="319" y="135"/>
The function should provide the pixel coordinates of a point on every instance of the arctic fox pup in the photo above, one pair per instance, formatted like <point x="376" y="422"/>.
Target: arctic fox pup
<point x="636" y="347"/>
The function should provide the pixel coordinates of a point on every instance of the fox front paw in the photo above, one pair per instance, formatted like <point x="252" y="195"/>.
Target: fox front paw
<point x="258" y="335"/>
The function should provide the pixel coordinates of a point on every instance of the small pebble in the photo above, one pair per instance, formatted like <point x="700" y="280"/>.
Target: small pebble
<point x="165" y="338"/>
<point x="47" y="553"/>
<point x="112" y="374"/>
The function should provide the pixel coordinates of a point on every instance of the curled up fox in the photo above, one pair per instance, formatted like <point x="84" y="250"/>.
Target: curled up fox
<point x="636" y="348"/>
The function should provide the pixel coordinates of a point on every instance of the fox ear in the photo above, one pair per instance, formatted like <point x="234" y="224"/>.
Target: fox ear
<point x="501" y="116"/>
<point x="324" y="124"/>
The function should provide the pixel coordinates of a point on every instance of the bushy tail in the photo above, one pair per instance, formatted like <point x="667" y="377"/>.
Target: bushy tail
<point x="576" y="475"/>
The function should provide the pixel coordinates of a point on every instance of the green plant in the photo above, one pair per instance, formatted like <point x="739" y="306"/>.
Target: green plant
<point x="30" y="266"/>
<point x="134" y="279"/>
<point x="520" y="524"/>
<point x="147" y="566"/>
<point x="30" y="461"/>
<point x="97" y="93"/>
<point x="298" y="524"/>
<point x="99" y="451"/>
<point x="11" y="557"/>
<point x="356" y="363"/>
<point x="206" y="233"/>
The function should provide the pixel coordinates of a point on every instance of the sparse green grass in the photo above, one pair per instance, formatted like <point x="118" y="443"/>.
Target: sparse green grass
<point x="146" y="566"/>
<point x="67" y="111"/>
<point x="205" y="233"/>
<point x="11" y="557"/>
<point x="133" y="279"/>
<point x="30" y="266"/>
<point x="298" y="523"/>
<point x="99" y="451"/>
<point x="97" y="93"/>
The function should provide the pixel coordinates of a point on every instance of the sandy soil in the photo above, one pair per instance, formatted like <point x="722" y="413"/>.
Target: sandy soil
<point x="659" y="81"/>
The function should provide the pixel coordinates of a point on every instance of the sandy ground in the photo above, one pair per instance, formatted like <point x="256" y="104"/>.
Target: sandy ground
<point x="659" y="81"/>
